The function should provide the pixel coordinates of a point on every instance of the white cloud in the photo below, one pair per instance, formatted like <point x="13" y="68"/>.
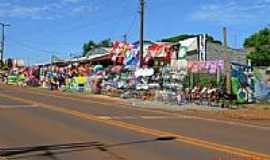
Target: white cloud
<point x="47" y="11"/>
<point x="71" y="1"/>
<point x="23" y="11"/>
<point x="233" y="12"/>
<point x="20" y="11"/>
<point x="80" y="10"/>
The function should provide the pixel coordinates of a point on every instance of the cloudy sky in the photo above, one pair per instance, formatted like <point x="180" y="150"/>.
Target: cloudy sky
<point x="40" y="28"/>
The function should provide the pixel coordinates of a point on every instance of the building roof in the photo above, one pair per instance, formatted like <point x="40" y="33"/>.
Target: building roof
<point x="97" y="51"/>
<point x="146" y="42"/>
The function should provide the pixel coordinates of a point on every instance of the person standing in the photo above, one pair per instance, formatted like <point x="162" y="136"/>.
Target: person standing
<point x="81" y="82"/>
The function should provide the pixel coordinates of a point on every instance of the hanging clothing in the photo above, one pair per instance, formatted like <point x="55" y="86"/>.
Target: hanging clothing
<point x="81" y="79"/>
<point x="210" y="67"/>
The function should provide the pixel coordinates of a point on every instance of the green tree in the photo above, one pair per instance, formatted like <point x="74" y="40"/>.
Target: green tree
<point x="105" y="43"/>
<point x="90" y="45"/>
<point x="178" y="38"/>
<point x="260" y="42"/>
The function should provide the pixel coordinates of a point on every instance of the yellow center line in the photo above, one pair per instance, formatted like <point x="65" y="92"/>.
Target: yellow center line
<point x="122" y="104"/>
<point x="148" y="131"/>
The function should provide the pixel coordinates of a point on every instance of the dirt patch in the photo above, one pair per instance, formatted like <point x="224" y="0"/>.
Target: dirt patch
<point x="252" y="114"/>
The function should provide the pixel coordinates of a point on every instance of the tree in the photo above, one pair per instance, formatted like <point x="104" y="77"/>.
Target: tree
<point x="90" y="45"/>
<point x="186" y="36"/>
<point x="177" y="38"/>
<point x="105" y="43"/>
<point x="213" y="40"/>
<point x="260" y="42"/>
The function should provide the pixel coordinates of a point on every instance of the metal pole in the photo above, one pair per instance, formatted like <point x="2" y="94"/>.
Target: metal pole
<point x="206" y="47"/>
<point x="199" y="47"/>
<point x="3" y="42"/>
<point x="125" y="38"/>
<point x="2" y="45"/>
<point x="141" y="31"/>
<point x="227" y="63"/>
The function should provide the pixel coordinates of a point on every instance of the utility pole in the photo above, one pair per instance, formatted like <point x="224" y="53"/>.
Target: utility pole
<point x="141" y="31"/>
<point x="235" y="40"/>
<point x="3" y="42"/>
<point x="125" y="38"/>
<point x="227" y="63"/>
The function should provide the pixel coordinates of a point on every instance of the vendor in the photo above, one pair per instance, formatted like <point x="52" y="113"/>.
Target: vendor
<point x="81" y="79"/>
<point x="21" y="79"/>
<point x="96" y="86"/>
<point x="54" y="82"/>
<point x="61" y="80"/>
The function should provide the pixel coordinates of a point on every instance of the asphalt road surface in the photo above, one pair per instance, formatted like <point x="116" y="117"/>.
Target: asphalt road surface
<point x="37" y="124"/>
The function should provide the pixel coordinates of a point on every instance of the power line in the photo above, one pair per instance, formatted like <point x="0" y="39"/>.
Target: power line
<point x="26" y="46"/>
<point x="44" y="51"/>
<point x="83" y="26"/>
<point x="132" y="24"/>
<point x="118" y="20"/>
<point x="105" y="20"/>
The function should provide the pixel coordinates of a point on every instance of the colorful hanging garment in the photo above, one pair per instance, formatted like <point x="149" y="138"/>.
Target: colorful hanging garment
<point x="210" y="67"/>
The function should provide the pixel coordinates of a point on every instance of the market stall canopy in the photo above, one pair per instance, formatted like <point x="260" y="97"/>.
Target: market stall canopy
<point x="96" y="57"/>
<point x="97" y="51"/>
<point x="146" y="44"/>
<point x="100" y="57"/>
<point x="191" y="44"/>
<point x="159" y="49"/>
<point x="55" y="59"/>
<point x="78" y="59"/>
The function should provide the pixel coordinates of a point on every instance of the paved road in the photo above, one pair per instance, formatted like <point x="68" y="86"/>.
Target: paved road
<point x="38" y="124"/>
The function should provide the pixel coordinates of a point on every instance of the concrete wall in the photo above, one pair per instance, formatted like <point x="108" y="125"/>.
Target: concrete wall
<point x="216" y="52"/>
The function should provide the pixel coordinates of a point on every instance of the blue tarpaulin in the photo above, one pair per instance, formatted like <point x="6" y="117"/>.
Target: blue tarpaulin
<point x="262" y="91"/>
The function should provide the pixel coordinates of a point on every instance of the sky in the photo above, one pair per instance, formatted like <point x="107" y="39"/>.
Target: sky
<point x="42" y="28"/>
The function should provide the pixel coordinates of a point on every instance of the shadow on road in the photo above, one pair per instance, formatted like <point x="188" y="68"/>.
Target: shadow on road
<point x="51" y="151"/>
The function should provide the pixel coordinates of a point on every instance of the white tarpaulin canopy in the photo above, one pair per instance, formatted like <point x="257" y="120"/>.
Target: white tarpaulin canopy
<point x="191" y="44"/>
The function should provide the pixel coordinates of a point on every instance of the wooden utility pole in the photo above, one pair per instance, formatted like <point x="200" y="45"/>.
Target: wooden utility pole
<point x="3" y="42"/>
<point x="141" y="31"/>
<point x="227" y="63"/>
